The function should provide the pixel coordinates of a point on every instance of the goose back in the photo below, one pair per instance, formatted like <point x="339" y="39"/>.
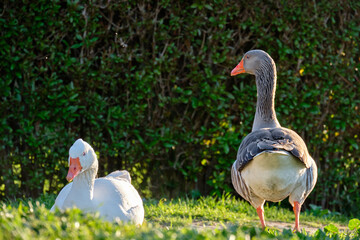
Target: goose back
<point x="271" y="139"/>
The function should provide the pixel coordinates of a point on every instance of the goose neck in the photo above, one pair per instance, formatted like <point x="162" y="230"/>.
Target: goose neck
<point x="84" y="183"/>
<point x="265" y="116"/>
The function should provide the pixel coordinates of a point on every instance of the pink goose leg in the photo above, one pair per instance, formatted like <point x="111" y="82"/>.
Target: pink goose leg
<point x="260" y="212"/>
<point x="297" y="208"/>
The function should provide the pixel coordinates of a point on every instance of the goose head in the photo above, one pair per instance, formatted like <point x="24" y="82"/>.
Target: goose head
<point x="81" y="158"/>
<point x="253" y="62"/>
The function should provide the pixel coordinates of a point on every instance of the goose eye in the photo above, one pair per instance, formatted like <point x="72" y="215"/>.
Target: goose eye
<point x="247" y="57"/>
<point x="83" y="154"/>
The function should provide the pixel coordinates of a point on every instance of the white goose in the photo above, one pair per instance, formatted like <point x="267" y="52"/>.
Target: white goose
<point x="272" y="162"/>
<point x="112" y="196"/>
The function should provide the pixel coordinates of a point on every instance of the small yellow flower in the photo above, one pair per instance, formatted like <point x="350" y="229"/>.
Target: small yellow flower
<point x="204" y="162"/>
<point x="301" y="71"/>
<point x="206" y="142"/>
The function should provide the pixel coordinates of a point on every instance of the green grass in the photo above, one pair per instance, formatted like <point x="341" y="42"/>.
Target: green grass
<point x="205" y="218"/>
<point x="228" y="210"/>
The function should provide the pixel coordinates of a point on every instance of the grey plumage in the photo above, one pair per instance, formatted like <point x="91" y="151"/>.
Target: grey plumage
<point x="272" y="162"/>
<point x="267" y="139"/>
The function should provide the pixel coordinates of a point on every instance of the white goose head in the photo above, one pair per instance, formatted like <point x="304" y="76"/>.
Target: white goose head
<point x="81" y="158"/>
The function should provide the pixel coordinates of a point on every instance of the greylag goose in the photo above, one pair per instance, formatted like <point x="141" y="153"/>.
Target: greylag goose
<point x="112" y="196"/>
<point x="272" y="162"/>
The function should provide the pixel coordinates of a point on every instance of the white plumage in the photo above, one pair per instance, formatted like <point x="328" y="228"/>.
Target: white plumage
<point x="112" y="196"/>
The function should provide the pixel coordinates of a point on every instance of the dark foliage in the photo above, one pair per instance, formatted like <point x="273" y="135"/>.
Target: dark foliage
<point x="147" y="84"/>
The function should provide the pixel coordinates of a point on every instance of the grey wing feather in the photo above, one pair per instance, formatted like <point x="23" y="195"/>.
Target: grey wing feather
<point x="271" y="139"/>
<point x="252" y="148"/>
<point x="266" y="145"/>
<point x="277" y="134"/>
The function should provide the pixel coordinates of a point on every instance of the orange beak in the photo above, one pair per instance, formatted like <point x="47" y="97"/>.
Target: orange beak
<point x="238" y="69"/>
<point x="74" y="169"/>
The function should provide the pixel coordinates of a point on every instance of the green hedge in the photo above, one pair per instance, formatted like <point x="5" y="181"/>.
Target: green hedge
<point x="147" y="84"/>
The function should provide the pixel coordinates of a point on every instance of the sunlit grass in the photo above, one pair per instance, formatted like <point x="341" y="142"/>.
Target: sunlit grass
<point x="214" y="211"/>
<point x="204" y="218"/>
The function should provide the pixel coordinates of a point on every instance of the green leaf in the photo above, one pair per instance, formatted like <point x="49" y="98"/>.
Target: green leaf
<point x="94" y="39"/>
<point x="331" y="228"/>
<point x="229" y="95"/>
<point x="77" y="45"/>
<point x="226" y="148"/>
<point x="208" y="6"/>
<point x="188" y="92"/>
<point x="354" y="224"/>
<point x="168" y="145"/>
